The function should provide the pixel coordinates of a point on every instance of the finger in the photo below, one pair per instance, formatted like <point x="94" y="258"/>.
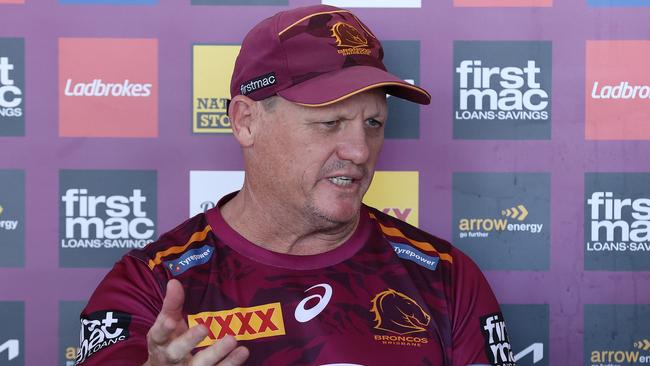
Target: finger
<point x="181" y="347"/>
<point x="222" y="350"/>
<point x="162" y="329"/>
<point x="169" y="318"/>
<point x="174" y="298"/>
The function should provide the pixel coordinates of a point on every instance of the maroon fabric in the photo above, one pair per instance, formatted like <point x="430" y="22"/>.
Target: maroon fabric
<point x="371" y="289"/>
<point x="299" y="47"/>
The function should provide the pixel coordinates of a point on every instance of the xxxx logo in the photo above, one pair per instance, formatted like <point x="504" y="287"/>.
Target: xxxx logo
<point x="242" y="323"/>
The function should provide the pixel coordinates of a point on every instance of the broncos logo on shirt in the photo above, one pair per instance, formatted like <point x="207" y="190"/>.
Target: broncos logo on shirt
<point x="398" y="313"/>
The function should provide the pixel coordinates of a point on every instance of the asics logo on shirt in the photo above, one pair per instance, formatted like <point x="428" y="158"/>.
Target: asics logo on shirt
<point x="304" y="315"/>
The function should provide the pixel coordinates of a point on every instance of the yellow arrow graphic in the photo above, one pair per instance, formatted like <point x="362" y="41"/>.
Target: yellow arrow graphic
<point x="520" y="212"/>
<point x="643" y="344"/>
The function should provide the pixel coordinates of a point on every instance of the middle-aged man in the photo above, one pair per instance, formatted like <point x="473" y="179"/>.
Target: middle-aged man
<point x="293" y="265"/>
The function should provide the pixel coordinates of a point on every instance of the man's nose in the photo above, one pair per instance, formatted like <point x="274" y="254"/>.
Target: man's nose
<point x="353" y="145"/>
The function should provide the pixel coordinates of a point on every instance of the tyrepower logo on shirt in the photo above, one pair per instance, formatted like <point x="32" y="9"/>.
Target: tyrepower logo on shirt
<point x="12" y="87"/>
<point x="208" y="187"/>
<point x="242" y="323"/>
<point x="617" y="335"/>
<point x="212" y="69"/>
<point x="617" y="90"/>
<point x="104" y="214"/>
<point x="502" y="90"/>
<point x="497" y="345"/>
<point x="190" y="259"/>
<point x="100" y="330"/>
<point x="617" y="221"/>
<point x="108" y="87"/>
<point x="502" y="219"/>
<point x="395" y="193"/>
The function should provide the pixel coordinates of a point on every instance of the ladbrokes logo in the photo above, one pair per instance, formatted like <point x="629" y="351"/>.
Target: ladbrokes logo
<point x="108" y="212"/>
<point x="502" y="219"/>
<point x="12" y="85"/>
<point x="395" y="193"/>
<point x="617" y="221"/>
<point x="12" y="1"/>
<point x="212" y="68"/>
<point x="399" y="314"/>
<point x="508" y="82"/>
<point x="617" y="90"/>
<point x="108" y="87"/>
<point x="349" y="40"/>
<point x="616" y="335"/>
<point x="242" y="323"/>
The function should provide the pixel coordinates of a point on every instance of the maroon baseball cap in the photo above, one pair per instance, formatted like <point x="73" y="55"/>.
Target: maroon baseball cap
<point x="315" y="56"/>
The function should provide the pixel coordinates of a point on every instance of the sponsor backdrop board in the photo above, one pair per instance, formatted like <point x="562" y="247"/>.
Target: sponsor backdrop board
<point x="532" y="157"/>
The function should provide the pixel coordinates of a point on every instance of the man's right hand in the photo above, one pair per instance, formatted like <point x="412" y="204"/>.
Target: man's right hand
<point x="170" y="342"/>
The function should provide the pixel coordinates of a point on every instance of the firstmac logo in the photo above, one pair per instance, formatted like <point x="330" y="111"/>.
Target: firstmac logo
<point x="617" y="90"/>
<point x="12" y="87"/>
<point x="502" y="90"/>
<point x="108" y="87"/>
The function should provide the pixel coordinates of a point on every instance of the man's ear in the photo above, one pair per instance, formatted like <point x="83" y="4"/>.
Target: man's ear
<point x="243" y="115"/>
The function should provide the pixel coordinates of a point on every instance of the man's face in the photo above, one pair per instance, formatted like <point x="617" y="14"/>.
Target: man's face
<point x="317" y="163"/>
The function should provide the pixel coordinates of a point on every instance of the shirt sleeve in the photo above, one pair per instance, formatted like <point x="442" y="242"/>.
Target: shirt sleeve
<point x="479" y="333"/>
<point x="115" y="322"/>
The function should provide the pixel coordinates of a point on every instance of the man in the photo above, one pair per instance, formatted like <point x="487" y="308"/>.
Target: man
<point x="293" y="265"/>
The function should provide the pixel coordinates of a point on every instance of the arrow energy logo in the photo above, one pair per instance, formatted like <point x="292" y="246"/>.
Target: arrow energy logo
<point x="502" y="90"/>
<point x="617" y="335"/>
<point x="12" y="218"/>
<point x="502" y="219"/>
<point x="12" y="86"/>
<point x="108" y="87"/>
<point x="617" y="221"/>
<point x="105" y="213"/>
<point x="617" y="90"/>
<point x="395" y="193"/>
<point x="212" y="68"/>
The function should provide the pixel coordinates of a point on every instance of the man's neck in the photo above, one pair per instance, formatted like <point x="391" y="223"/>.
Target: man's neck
<point x="289" y="233"/>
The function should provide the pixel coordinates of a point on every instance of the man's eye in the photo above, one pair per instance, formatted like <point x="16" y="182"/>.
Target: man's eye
<point x="330" y="123"/>
<point x="374" y="123"/>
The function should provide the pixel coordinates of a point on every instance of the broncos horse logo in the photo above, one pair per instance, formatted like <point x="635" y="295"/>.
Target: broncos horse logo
<point x="348" y="36"/>
<point x="398" y="313"/>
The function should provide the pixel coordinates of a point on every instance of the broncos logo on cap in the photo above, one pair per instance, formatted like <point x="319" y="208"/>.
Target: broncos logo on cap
<point x="398" y="313"/>
<point x="348" y="36"/>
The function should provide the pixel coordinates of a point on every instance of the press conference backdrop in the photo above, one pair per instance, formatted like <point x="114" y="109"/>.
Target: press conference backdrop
<point x="532" y="157"/>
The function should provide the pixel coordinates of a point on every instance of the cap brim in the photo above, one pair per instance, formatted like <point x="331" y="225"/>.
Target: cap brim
<point x="338" y="85"/>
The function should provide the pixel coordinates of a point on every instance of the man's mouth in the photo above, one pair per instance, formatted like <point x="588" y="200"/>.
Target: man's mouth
<point x="341" y="181"/>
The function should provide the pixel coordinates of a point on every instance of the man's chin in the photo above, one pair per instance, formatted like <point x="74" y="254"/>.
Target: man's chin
<point x="340" y="214"/>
